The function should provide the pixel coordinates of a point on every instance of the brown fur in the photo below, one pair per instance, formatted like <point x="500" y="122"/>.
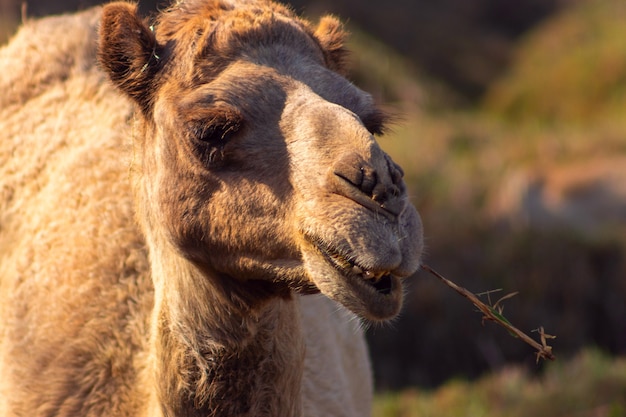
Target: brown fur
<point x="253" y="177"/>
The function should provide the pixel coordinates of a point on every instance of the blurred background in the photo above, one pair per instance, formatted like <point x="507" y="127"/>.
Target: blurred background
<point x="512" y="133"/>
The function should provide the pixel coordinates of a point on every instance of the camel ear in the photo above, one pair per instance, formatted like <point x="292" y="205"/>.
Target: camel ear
<point x="128" y="52"/>
<point x="332" y="37"/>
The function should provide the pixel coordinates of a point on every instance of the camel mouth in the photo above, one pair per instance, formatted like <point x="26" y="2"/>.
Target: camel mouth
<point x="380" y="281"/>
<point x="376" y="294"/>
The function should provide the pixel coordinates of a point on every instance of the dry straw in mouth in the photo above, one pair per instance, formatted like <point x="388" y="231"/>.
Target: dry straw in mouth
<point x="494" y="313"/>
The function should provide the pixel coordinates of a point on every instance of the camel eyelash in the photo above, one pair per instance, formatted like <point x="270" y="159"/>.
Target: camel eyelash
<point x="215" y="128"/>
<point x="214" y="133"/>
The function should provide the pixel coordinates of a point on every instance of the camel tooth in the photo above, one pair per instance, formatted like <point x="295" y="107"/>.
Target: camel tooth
<point x="356" y="270"/>
<point x="369" y="275"/>
<point x="375" y="276"/>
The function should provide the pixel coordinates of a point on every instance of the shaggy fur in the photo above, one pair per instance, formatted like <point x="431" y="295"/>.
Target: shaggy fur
<point x="158" y="240"/>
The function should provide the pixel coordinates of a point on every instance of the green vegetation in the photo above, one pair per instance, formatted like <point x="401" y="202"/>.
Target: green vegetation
<point x="591" y="384"/>
<point x="521" y="192"/>
<point x="573" y="68"/>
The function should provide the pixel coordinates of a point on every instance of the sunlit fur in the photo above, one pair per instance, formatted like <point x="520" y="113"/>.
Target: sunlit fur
<point x="168" y="215"/>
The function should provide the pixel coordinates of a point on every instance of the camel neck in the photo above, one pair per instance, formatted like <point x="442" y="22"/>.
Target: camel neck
<point x="218" y="350"/>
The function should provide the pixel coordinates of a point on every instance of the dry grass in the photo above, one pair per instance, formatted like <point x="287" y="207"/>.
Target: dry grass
<point x="495" y="313"/>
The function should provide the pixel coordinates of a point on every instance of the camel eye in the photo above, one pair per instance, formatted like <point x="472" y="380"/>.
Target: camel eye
<point x="215" y="134"/>
<point x="216" y="128"/>
<point x="209" y="134"/>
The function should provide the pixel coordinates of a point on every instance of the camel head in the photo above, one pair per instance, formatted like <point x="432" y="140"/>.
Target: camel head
<point x="256" y="159"/>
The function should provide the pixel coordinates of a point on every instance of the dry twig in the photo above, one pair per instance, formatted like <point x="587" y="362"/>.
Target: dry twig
<point x="494" y="313"/>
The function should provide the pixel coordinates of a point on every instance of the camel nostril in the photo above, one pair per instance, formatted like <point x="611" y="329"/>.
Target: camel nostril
<point x="363" y="183"/>
<point x="370" y="180"/>
<point x="379" y="194"/>
<point x="395" y="191"/>
<point x="351" y="169"/>
<point x="364" y="179"/>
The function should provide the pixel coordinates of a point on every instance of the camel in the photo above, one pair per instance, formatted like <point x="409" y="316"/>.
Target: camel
<point x="195" y="216"/>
